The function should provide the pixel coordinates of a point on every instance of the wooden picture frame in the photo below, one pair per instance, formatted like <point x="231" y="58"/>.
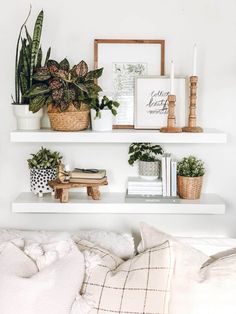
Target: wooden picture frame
<point x="151" y="105"/>
<point x="123" y="60"/>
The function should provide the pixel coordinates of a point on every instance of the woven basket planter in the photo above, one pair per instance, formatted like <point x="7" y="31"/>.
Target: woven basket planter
<point x="70" y="120"/>
<point x="190" y="187"/>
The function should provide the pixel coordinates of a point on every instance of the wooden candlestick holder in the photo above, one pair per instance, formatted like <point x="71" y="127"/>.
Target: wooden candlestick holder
<point x="171" y="127"/>
<point x="192" y="119"/>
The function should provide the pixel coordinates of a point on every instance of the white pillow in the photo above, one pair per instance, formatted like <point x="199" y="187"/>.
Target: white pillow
<point x="139" y="285"/>
<point x="121" y="245"/>
<point x="215" y="293"/>
<point x="188" y="262"/>
<point x="210" y="246"/>
<point x="36" y="236"/>
<point x="52" y="290"/>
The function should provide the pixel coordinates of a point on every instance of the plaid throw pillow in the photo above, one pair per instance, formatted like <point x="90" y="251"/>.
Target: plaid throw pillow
<point x="140" y="285"/>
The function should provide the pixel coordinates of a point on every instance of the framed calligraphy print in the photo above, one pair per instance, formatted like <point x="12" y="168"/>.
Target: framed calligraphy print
<point x="151" y="106"/>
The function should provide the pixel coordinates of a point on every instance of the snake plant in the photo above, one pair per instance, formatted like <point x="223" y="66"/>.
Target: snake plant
<point x="28" y="56"/>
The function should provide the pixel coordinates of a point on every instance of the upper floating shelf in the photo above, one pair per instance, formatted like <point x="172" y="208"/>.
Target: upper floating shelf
<point x="118" y="136"/>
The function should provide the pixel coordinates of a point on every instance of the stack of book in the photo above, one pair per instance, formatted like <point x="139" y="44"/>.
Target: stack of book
<point x="169" y="175"/>
<point x="88" y="176"/>
<point x="143" y="188"/>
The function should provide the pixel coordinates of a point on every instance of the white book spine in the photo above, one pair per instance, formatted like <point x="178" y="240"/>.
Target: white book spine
<point x="145" y="191"/>
<point x="163" y="171"/>
<point x="159" y="192"/>
<point x="168" y="175"/>
<point x="138" y="188"/>
<point x="173" y="178"/>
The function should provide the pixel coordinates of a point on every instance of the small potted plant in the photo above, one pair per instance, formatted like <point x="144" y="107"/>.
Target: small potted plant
<point x="102" y="112"/>
<point x="147" y="155"/>
<point x="67" y="92"/>
<point x="28" y="57"/>
<point x="43" y="168"/>
<point x="190" y="171"/>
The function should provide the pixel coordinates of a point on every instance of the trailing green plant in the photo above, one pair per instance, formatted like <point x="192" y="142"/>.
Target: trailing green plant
<point x="28" y="56"/>
<point x="104" y="104"/>
<point x="44" y="159"/>
<point x="190" y="167"/>
<point x="59" y="85"/>
<point x="144" y="152"/>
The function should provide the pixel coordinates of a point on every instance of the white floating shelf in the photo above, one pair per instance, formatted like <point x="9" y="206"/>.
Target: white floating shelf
<point x="114" y="203"/>
<point x="118" y="136"/>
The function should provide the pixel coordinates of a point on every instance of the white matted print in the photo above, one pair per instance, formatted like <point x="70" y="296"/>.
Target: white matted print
<point x="123" y="60"/>
<point x="151" y="105"/>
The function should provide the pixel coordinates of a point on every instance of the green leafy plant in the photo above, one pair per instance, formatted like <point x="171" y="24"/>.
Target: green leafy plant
<point x="59" y="85"/>
<point x="44" y="159"/>
<point x="104" y="104"/>
<point x="144" y="152"/>
<point x="190" y="167"/>
<point x="29" y="55"/>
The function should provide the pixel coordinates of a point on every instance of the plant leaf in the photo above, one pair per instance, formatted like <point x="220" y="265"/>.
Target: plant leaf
<point x="81" y="87"/>
<point x="37" y="103"/>
<point x="64" y="65"/>
<point x="35" y="43"/>
<point x="95" y="74"/>
<point x="39" y="58"/>
<point x="47" y="56"/>
<point x="81" y="69"/>
<point x="37" y="89"/>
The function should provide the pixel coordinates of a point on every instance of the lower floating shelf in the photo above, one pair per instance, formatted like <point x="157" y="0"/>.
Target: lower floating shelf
<point x="115" y="203"/>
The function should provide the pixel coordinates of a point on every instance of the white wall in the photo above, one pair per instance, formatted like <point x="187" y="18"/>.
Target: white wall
<point x="70" y="28"/>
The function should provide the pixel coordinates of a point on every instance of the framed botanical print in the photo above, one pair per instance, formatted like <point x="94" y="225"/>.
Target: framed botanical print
<point x="151" y="106"/>
<point x="123" y="60"/>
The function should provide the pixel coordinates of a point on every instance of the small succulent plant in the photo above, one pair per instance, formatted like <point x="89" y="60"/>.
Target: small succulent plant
<point x="104" y="104"/>
<point x="44" y="159"/>
<point x="144" y="152"/>
<point x="190" y="167"/>
<point x="59" y="85"/>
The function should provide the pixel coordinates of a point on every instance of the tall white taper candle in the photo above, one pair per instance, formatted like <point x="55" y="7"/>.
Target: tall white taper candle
<point x="194" y="60"/>
<point x="172" y="77"/>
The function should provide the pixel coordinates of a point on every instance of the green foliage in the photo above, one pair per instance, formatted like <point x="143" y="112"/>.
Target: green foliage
<point x="44" y="159"/>
<point x="104" y="104"/>
<point x="63" y="85"/>
<point x="29" y="55"/>
<point x="190" y="167"/>
<point x="144" y="152"/>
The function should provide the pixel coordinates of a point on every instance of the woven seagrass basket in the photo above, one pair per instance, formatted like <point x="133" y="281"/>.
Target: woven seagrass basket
<point x="70" y="120"/>
<point x="190" y="187"/>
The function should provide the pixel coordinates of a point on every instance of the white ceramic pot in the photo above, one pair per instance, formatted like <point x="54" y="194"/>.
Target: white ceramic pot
<point x="104" y="123"/>
<point x="39" y="180"/>
<point x="27" y="120"/>
<point x="149" y="170"/>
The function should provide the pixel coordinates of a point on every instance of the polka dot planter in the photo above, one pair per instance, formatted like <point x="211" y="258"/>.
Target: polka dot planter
<point x="39" y="180"/>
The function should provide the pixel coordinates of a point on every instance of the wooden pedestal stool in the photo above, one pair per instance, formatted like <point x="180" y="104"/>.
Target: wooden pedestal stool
<point x="62" y="189"/>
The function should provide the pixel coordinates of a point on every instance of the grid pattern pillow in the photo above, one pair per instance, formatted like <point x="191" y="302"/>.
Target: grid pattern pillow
<point x="140" y="285"/>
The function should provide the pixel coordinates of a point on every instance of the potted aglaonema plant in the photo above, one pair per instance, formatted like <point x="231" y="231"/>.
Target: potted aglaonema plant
<point x="28" y="57"/>
<point x="102" y="112"/>
<point x="43" y="168"/>
<point x="147" y="155"/>
<point x="67" y="93"/>
<point x="190" y="171"/>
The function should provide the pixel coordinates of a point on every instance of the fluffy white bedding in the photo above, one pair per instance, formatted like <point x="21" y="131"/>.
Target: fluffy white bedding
<point x="45" y="272"/>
